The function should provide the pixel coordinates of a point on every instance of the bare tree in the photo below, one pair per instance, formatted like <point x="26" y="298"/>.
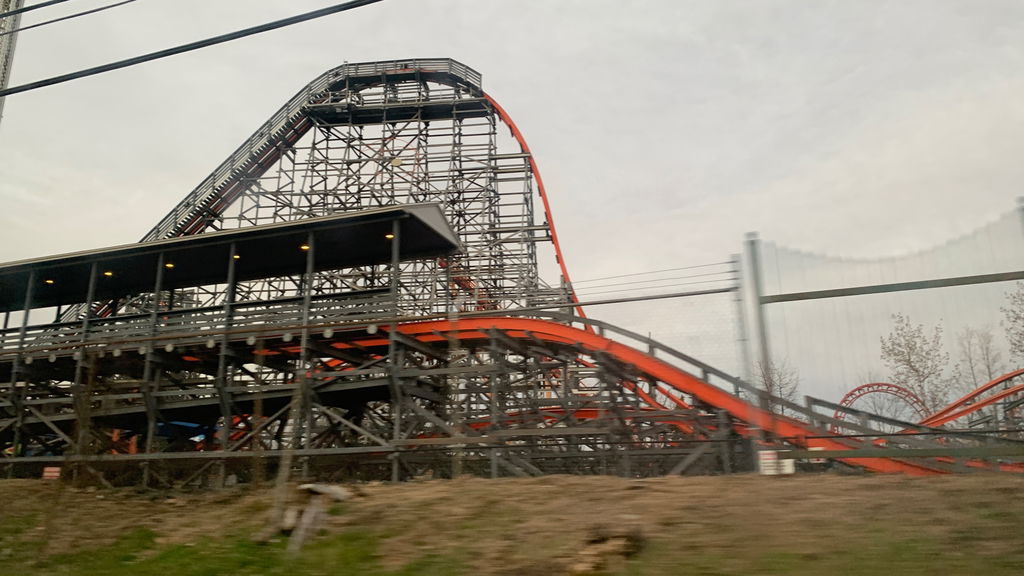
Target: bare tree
<point x="981" y="359"/>
<point x="891" y="407"/>
<point x="867" y="376"/>
<point x="991" y="355"/>
<point x="917" y="362"/>
<point x="966" y="345"/>
<point x="1013" y="322"/>
<point x="780" y="380"/>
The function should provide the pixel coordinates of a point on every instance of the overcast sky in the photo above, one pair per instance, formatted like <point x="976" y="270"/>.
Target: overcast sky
<point x="664" y="130"/>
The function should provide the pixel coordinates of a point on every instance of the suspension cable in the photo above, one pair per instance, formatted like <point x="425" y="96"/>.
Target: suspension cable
<point x="577" y="282"/>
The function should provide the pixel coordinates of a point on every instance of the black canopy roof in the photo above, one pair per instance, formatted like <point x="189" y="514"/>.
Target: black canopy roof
<point x="340" y="241"/>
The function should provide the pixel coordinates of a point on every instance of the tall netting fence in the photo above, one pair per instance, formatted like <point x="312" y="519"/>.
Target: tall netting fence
<point x="824" y="317"/>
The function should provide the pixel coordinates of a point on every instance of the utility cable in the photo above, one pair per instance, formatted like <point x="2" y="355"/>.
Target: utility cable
<point x="662" y="279"/>
<point x="652" y="272"/>
<point x="30" y="8"/>
<point x="188" y="47"/>
<point x="588" y="294"/>
<point x="68" y="17"/>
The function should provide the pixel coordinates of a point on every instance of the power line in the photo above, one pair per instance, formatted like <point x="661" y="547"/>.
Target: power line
<point x="69" y="17"/>
<point x="632" y="299"/>
<point x="188" y="47"/>
<point x="588" y="294"/>
<point x="30" y="8"/>
<point x="665" y="279"/>
<point x="567" y="305"/>
<point x="652" y="272"/>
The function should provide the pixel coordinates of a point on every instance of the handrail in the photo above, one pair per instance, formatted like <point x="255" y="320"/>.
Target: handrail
<point x="201" y="323"/>
<point x="651" y="343"/>
<point x="288" y="116"/>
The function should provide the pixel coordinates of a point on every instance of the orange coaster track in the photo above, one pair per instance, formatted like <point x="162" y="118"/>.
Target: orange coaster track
<point x="984" y="396"/>
<point x="685" y="389"/>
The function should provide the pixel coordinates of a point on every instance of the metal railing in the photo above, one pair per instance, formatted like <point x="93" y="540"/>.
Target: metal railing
<point x="196" y="325"/>
<point x="868" y="425"/>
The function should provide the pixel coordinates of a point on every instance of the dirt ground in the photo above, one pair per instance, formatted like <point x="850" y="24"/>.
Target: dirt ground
<point x="742" y="524"/>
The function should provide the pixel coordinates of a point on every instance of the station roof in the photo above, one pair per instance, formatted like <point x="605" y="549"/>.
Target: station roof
<point x="340" y="241"/>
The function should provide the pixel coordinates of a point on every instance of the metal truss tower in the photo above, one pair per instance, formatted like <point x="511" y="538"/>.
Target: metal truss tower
<point x="7" y="42"/>
<point x="384" y="133"/>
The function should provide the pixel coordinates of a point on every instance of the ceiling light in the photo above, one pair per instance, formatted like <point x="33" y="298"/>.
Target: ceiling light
<point x="235" y="256"/>
<point x="108" y="273"/>
<point x="48" y="281"/>
<point x="389" y="236"/>
<point x="304" y="247"/>
<point x="169" y="265"/>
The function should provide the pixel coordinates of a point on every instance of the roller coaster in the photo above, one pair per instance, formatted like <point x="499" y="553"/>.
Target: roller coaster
<point x="356" y="292"/>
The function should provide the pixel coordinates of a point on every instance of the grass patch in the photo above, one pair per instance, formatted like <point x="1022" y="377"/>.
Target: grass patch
<point x="908" y="557"/>
<point x="11" y="527"/>
<point x="703" y="526"/>
<point x="15" y="538"/>
<point x="138" y="554"/>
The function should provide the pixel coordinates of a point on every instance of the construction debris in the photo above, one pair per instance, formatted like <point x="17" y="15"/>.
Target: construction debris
<point x="336" y="492"/>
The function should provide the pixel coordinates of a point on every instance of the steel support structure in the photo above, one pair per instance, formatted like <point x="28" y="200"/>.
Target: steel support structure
<point x="410" y="367"/>
<point x="499" y="406"/>
<point x="379" y="134"/>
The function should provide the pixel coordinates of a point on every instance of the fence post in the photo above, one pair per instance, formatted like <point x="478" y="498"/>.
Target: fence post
<point x="741" y="321"/>
<point x="753" y="247"/>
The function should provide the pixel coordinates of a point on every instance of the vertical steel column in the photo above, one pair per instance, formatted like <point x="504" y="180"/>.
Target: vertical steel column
<point x="741" y="322"/>
<point x="754" y="254"/>
<point x="569" y="399"/>
<point x="16" y="367"/>
<point x="306" y="411"/>
<point x="396" y="392"/>
<point x="493" y="404"/>
<point x="295" y="411"/>
<point x="456" y="396"/>
<point x="1020" y="211"/>
<point x="3" y="340"/>
<point x="725" y="440"/>
<point x="81" y="396"/>
<point x="7" y="322"/>
<point x="147" y="369"/>
<point x="222" y="359"/>
<point x="623" y="437"/>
